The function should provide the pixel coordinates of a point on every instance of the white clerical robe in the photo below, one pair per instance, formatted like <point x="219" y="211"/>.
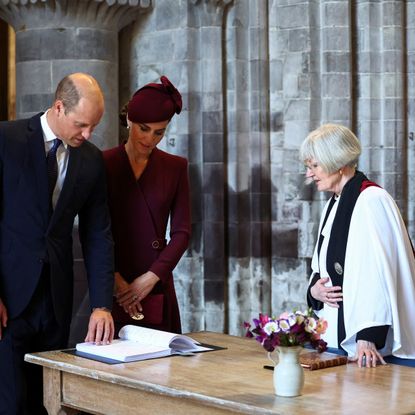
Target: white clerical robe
<point x="379" y="275"/>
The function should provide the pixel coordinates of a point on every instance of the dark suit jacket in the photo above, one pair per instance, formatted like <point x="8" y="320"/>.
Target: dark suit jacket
<point x="29" y="237"/>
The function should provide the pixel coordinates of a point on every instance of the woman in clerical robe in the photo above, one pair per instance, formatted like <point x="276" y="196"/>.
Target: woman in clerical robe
<point x="148" y="189"/>
<point x="363" y="267"/>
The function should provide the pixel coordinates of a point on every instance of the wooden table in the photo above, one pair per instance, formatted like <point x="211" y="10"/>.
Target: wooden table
<point x="218" y="382"/>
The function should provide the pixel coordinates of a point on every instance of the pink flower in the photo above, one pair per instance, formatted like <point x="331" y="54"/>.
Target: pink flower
<point x="263" y="318"/>
<point x="283" y="315"/>
<point x="321" y="326"/>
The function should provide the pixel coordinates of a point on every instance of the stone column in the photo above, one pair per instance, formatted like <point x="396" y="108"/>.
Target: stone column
<point x="248" y="163"/>
<point x="210" y="121"/>
<point x="58" y="37"/>
<point x="381" y="108"/>
<point x="295" y="109"/>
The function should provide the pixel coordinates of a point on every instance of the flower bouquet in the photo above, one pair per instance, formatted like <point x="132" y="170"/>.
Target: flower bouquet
<point x="289" y="329"/>
<point x="288" y="334"/>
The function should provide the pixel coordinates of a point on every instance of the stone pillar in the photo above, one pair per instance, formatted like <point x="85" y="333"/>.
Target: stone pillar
<point x="295" y="109"/>
<point x="210" y="121"/>
<point x="381" y="108"/>
<point x="248" y="163"/>
<point x="58" y="37"/>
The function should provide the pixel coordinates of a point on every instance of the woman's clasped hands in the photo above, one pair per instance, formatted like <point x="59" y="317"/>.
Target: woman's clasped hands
<point x="129" y="296"/>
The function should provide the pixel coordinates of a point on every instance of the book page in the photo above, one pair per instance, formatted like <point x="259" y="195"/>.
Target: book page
<point x="144" y="335"/>
<point x="186" y="344"/>
<point x="123" y="350"/>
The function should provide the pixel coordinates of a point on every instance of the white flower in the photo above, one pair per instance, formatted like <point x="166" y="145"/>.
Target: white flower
<point x="271" y="327"/>
<point x="311" y="325"/>
<point x="292" y="319"/>
<point x="284" y="325"/>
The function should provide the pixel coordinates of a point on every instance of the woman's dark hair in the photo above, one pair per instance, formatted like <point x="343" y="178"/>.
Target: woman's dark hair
<point x="123" y="115"/>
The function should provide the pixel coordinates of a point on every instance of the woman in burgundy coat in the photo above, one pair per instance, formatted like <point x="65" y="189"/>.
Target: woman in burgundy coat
<point x="147" y="186"/>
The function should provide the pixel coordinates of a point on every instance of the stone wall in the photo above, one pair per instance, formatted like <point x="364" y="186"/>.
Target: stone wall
<point x="256" y="77"/>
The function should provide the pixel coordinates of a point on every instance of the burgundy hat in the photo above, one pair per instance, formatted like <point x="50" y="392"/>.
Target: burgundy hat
<point x="155" y="102"/>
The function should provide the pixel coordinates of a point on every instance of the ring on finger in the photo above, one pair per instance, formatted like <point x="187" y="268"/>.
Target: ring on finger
<point x="135" y="298"/>
<point x="138" y="316"/>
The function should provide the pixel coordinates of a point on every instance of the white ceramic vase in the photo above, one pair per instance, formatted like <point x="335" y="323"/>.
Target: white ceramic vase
<point x="288" y="373"/>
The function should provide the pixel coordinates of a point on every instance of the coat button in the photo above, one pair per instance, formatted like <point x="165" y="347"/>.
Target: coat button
<point x="155" y="244"/>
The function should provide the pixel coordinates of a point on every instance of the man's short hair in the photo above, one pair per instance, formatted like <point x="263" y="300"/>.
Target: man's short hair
<point x="67" y="92"/>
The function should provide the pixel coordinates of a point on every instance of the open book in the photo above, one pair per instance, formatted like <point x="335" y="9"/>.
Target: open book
<point x="140" y="343"/>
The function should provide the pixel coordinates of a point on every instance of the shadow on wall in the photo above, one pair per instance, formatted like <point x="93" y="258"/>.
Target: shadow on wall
<point x="261" y="229"/>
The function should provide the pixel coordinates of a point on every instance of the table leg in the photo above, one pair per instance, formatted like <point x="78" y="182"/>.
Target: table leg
<point x="52" y="393"/>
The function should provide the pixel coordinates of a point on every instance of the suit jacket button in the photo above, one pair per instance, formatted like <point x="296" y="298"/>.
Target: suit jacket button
<point x="155" y="244"/>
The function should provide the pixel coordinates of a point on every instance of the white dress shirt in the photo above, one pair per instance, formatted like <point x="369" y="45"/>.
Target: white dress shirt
<point x="62" y="156"/>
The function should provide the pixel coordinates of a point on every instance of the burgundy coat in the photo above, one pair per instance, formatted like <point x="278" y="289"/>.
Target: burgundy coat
<point x="140" y="210"/>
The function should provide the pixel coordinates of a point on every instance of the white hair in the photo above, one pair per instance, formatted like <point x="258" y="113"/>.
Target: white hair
<point x="332" y="146"/>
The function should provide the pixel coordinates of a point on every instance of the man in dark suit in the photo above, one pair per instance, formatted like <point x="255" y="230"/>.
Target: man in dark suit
<point x="44" y="184"/>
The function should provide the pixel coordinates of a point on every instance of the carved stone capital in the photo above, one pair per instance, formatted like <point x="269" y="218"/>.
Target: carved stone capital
<point x="212" y="10"/>
<point x="102" y="14"/>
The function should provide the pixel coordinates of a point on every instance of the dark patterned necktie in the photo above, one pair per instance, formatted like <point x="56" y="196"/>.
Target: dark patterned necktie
<point x="52" y="166"/>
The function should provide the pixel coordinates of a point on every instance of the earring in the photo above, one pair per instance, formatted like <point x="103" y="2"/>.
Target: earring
<point x="341" y="172"/>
